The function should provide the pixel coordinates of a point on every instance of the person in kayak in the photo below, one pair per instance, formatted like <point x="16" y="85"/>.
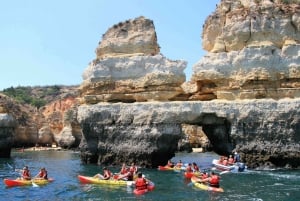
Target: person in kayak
<point x="25" y="173"/>
<point x="43" y="174"/>
<point x="132" y="171"/>
<point x="141" y="183"/>
<point x="170" y="164"/>
<point x="195" y="167"/>
<point x="106" y="174"/>
<point x="204" y="175"/>
<point x="230" y="160"/>
<point x="189" y="168"/>
<point x="179" y="164"/>
<point x="213" y="180"/>
<point x="124" y="173"/>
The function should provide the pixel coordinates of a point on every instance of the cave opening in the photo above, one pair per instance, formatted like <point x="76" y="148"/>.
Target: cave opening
<point x="210" y="132"/>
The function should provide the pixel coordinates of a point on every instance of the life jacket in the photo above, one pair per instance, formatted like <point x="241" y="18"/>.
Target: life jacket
<point x="26" y="175"/>
<point x="124" y="170"/>
<point x="133" y="169"/>
<point x="43" y="174"/>
<point x="214" y="180"/>
<point x="189" y="169"/>
<point x="140" y="184"/>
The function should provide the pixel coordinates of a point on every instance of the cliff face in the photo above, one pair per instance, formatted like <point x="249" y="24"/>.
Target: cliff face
<point x="54" y="123"/>
<point x="265" y="132"/>
<point x="254" y="51"/>
<point x="7" y="127"/>
<point x="253" y="56"/>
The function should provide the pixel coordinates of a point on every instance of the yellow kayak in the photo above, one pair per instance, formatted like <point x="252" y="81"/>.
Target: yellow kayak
<point x="22" y="182"/>
<point x="92" y="180"/>
<point x="197" y="182"/>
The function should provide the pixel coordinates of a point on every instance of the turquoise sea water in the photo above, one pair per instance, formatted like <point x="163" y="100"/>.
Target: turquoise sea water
<point x="64" y="166"/>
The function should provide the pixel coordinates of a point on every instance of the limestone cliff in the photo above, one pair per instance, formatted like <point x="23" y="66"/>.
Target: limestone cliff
<point x="251" y="70"/>
<point x="253" y="51"/>
<point x="129" y="67"/>
<point x="7" y="128"/>
<point x="265" y="132"/>
<point x="44" y="126"/>
<point x="132" y="37"/>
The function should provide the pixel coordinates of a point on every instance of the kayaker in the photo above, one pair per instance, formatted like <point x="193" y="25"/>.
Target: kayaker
<point x="189" y="168"/>
<point x="179" y="164"/>
<point x="170" y="164"/>
<point x="141" y="183"/>
<point x="124" y="172"/>
<point x="106" y="174"/>
<point x="225" y="161"/>
<point x="204" y="175"/>
<point x="43" y="174"/>
<point x="26" y="173"/>
<point x="195" y="167"/>
<point x="230" y="160"/>
<point x="213" y="180"/>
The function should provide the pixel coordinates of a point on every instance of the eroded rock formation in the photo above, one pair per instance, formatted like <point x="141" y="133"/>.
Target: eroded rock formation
<point x="129" y="67"/>
<point x="254" y="51"/>
<point x="45" y="126"/>
<point x="265" y="132"/>
<point x="253" y="54"/>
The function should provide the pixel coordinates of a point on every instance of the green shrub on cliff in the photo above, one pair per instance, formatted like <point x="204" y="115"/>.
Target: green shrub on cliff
<point x="23" y="96"/>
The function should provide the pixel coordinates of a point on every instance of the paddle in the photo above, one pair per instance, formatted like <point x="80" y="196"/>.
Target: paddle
<point x="224" y="172"/>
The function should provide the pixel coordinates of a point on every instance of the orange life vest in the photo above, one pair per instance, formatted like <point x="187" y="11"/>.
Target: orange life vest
<point x="189" y="169"/>
<point x="214" y="180"/>
<point x="43" y="174"/>
<point x="140" y="183"/>
<point x="124" y="170"/>
<point x="26" y="174"/>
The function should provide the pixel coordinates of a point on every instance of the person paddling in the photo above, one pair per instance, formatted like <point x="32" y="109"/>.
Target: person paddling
<point x="25" y="173"/>
<point x="189" y="168"/>
<point x="141" y="183"/>
<point x="43" y="174"/>
<point x="195" y="167"/>
<point x="106" y="174"/>
<point x="213" y="180"/>
<point x="124" y="173"/>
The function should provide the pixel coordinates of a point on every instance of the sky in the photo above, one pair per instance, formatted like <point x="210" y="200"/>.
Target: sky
<point x="51" y="42"/>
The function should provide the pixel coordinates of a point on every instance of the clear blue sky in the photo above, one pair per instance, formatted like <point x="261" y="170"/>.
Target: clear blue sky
<point x="48" y="42"/>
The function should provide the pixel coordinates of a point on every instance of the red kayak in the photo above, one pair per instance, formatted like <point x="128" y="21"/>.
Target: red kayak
<point x="150" y="187"/>
<point x="22" y="182"/>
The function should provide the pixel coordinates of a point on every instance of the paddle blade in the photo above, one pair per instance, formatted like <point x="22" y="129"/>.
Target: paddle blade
<point x="34" y="184"/>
